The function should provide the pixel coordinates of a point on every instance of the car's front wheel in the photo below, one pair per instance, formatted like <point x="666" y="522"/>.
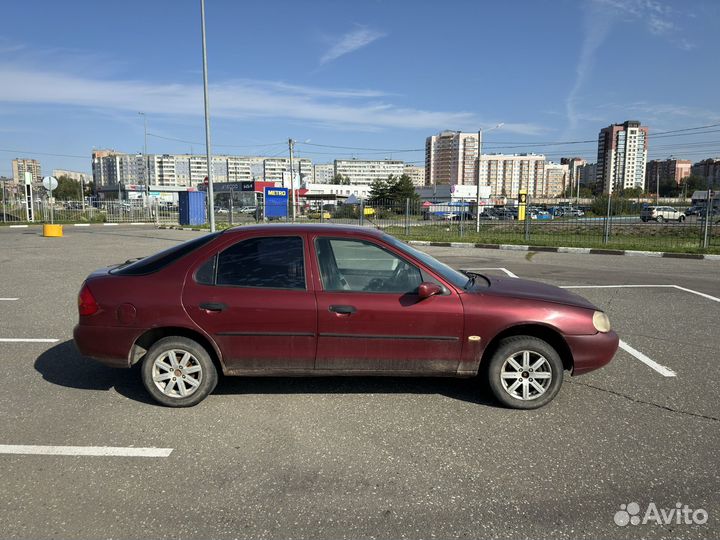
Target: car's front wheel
<point x="681" y="219"/>
<point x="660" y="219"/>
<point x="525" y="372"/>
<point x="178" y="372"/>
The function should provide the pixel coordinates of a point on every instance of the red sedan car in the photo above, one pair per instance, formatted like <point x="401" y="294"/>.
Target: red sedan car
<point x="326" y="300"/>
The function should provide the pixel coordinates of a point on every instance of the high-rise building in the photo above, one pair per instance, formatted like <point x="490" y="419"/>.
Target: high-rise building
<point x="416" y="174"/>
<point x="507" y="174"/>
<point x="556" y="179"/>
<point x="22" y="165"/>
<point x="364" y="171"/>
<point x="573" y="163"/>
<point x="671" y="169"/>
<point x="709" y="169"/>
<point x="622" y="153"/>
<point x="451" y="158"/>
<point x="586" y="174"/>
<point x="276" y="169"/>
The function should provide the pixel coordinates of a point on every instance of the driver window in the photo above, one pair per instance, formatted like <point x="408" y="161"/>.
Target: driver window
<point x="358" y="265"/>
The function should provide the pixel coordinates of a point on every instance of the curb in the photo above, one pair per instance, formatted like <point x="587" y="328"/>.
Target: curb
<point x="583" y="251"/>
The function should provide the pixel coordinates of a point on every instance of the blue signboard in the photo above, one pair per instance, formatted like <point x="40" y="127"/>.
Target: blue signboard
<point x="276" y="202"/>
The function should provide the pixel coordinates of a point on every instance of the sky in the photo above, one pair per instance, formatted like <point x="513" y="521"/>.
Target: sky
<point x="368" y="79"/>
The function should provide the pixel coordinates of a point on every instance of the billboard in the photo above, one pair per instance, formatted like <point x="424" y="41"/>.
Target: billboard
<point x="276" y="202"/>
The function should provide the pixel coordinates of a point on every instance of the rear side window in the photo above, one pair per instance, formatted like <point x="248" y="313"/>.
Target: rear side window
<point x="274" y="262"/>
<point x="153" y="263"/>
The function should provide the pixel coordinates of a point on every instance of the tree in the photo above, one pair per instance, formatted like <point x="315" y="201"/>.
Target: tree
<point x="339" y="179"/>
<point x="632" y="192"/>
<point x="694" y="182"/>
<point x="67" y="189"/>
<point x="402" y="189"/>
<point x="379" y="192"/>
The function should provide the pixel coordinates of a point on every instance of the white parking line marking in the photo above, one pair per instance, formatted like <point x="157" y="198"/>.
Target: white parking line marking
<point x="107" y="451"/>
<point x="29" y="340"/>
<point x="18" y="226"/>
<point x="8" y="299"/>
<point x="714" y="298"/>
<point x="662" y="370"/>
<point x="81" y="225"/>
<point x="508" y="272"/>
<point x="110" y="224"/>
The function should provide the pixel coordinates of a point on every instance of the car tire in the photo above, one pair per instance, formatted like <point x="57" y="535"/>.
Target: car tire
<point x="681" y="219"/>
<point x="520" y="388"/>
<point x="660" y="219"/>
<point x="187" y="368"/>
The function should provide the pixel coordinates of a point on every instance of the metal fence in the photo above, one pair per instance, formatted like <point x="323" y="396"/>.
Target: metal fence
<point x="620" y="227"/>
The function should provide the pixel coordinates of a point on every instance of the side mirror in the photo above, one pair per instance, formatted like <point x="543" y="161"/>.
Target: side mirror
<point x="426" y="290"/>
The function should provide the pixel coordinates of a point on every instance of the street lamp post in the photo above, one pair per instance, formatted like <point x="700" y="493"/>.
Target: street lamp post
<point x="145" y="156"/>
<point x="211" y="207"/>
<point x="477" y="200"/>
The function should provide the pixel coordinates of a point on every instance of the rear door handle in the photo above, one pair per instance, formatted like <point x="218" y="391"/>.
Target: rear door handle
<point x="213" y="306"/>
<point x="342" y="310"/>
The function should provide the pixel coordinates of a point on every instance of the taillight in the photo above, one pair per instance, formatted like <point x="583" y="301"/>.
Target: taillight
<point x="86" y="301"/>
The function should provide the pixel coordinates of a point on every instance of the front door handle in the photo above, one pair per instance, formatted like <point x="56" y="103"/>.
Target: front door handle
<point x="342" y="310"/>
<point x="213" y="306"/>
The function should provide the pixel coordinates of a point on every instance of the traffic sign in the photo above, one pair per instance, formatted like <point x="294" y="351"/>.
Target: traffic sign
<point x="50" y="183"/>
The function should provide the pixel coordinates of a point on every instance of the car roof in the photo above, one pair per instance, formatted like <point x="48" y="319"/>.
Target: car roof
<point x="308" y="228"/>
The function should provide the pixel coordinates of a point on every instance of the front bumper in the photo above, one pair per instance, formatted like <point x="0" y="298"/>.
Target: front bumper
<point x="592" y="352"/>
<point x="108" y="345"/>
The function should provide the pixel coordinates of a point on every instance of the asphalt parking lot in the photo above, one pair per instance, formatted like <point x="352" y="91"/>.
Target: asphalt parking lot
<point x="360" y="457"/>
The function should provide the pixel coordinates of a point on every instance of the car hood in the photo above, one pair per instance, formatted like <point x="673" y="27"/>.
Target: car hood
<point x="533" y="290"/>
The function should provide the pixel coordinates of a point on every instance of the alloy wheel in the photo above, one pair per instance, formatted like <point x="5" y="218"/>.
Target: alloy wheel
<point x="526" y="375"/>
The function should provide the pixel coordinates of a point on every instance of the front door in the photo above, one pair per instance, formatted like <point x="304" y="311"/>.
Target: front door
<point x="253" y="299"/>
<point x="370" y="318"/>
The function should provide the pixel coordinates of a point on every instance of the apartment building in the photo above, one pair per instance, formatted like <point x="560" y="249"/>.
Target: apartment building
<point x="667" y="169"/>
<point x="323" y="173"/>
<point x="507" y="174"/>
<point x="111" y="168"/>
<point x="416" y="174"/>
<point x="708" y="169"/>
<point x="556" y="179"/>
<point x="622" y="154"/>
<point x="365" y="172"/>
<point x="586" y="174"/>
<point x="451" y="158"/>
<point x="573" y="163"/>
<point x="74" y="175"/>
<point x="22" y="165"/>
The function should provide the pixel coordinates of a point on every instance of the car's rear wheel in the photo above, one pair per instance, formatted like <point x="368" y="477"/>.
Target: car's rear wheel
<point x="525" y="372"/>
<point x="178" y="372"/>
<point x="660" y="219"/>
<point x="681" y="219"/>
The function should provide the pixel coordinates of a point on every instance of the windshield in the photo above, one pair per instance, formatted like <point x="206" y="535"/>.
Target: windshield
<point x="448" y="273"/>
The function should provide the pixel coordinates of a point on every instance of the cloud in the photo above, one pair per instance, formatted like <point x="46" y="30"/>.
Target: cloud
<point x="350" y="42"/>
<point x="344" y="109"/>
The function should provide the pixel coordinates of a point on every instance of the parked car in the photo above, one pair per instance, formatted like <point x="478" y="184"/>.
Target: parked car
<point x="221" y="210"/>
<point x="248" y="209"/>
<point x="325" y="300"/>
<point x="661" y="214"/>
<point x="694" y="210"/>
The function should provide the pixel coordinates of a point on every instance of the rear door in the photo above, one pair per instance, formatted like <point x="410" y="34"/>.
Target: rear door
<point x="370" y="317"/>
<point x="255" y="299"/>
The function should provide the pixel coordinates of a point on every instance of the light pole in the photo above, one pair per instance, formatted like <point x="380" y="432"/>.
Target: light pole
<point x="477" y="200"/>
<point x="145" y="156"/>
<point x="211" y="206"/>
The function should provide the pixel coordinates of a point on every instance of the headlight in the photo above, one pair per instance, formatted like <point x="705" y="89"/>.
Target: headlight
<point x="601" y="322"/>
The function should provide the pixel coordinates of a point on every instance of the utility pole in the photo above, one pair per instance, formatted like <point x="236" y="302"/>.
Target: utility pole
<point x="291" y="148"/>
<point x="211" y="206"/>
<point x="657" y="184"/>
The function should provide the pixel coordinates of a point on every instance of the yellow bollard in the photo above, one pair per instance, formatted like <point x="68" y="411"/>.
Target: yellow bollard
<point x="52" y="230"/>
